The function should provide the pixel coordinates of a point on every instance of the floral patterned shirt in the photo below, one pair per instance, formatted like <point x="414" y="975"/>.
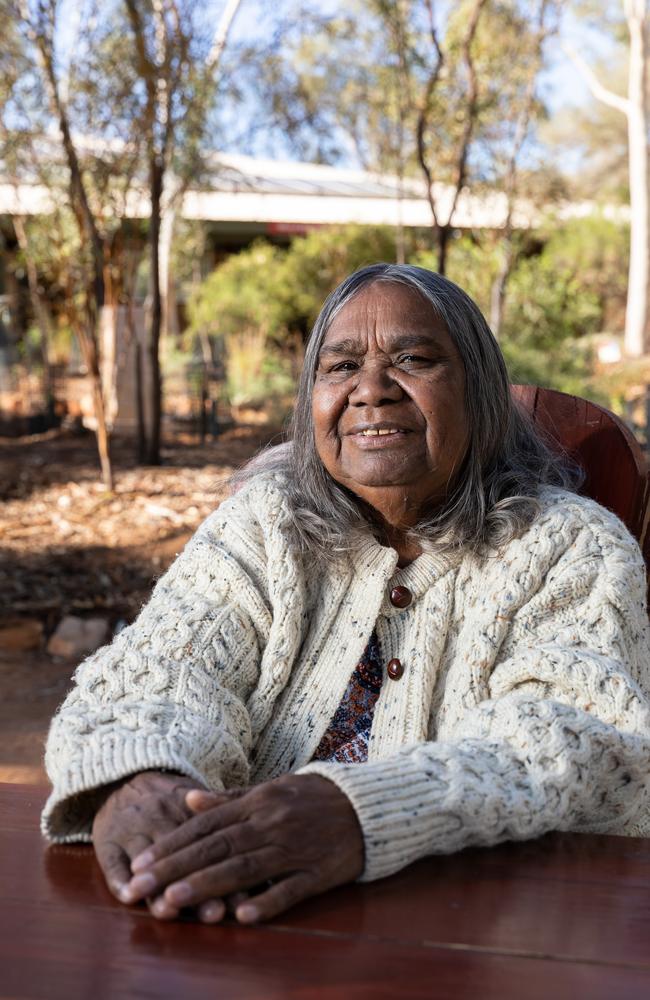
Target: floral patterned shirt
<point x="346" y="739"/>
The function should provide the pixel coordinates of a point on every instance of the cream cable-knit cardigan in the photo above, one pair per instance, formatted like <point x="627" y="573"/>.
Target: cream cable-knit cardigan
<point x="522" y="708"/>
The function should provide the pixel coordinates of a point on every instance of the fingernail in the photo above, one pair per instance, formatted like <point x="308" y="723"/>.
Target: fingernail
<point x="142" y="861"/>
<point x="212" y="912"/>
<point x="198" y="793"/>
<point x="179" y="893"/>
<point x="138" y="887"/>
<point x="161" y="908"/>
<point x="247" y="913"/>
<point x="199" y="801"/>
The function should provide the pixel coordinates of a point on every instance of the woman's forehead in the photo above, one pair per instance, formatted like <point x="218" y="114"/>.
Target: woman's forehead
<point x="390" y="312"/>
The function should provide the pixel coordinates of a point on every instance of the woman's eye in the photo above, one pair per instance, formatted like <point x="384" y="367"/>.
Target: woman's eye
<point x="345" y="366"/>
<point x="413" y="359"/>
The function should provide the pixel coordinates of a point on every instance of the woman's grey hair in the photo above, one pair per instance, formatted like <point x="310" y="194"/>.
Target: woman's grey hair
<point x="495" y="495"/>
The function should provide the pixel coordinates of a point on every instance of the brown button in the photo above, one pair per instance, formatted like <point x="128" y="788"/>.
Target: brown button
<point x="401" y="597"/>
<point x="394" y="669"/>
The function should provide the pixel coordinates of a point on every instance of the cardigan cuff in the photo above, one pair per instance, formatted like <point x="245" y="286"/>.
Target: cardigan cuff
<point x="393" y="802"/>
<point x="79" y="791"/>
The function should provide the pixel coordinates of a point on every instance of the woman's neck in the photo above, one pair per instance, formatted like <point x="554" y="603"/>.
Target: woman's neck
<point x="407" y="550"/>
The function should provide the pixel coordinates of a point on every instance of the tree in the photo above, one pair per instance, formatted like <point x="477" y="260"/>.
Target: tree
<point x="636" y="108"/>
<point x="476" y="101"/>
<point x="323" y="83"/>
<point x="443" y="219"/>
<point x="131" y="120"/>
<point x="520" y="122"/>
<point x="39" y="23"/>
<point x="414" y="89"/>
<point x="177" y="93"/>
<point x="179" y="174"/>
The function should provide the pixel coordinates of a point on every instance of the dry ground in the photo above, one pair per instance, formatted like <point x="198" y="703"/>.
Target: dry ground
<point x="69" y="547"/>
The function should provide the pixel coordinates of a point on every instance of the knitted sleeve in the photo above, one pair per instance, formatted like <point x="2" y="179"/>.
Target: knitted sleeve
<point x="170" y="692"/>
<point x="558" y="736"/>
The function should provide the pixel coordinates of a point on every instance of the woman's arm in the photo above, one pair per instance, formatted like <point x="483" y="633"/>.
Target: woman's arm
<point x="560" y="739"/>
<point x="169" y="694"/>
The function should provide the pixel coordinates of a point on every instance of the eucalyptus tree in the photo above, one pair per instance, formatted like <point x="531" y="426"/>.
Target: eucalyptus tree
<point x="442" y="92"/>
<point x="635" y="106"/>
<point x="176" y="69"/>
<point x="43" y="88"/>
<point x="129" y="93"/>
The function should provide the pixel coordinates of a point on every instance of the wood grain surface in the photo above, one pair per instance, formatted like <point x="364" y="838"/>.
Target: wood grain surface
<point x="564" y="916"/>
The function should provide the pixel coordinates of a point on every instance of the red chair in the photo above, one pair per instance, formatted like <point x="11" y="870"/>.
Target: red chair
<point x="616" y="469"/>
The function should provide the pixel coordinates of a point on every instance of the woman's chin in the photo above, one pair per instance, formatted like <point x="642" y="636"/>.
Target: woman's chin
<point x="385" y="471"/>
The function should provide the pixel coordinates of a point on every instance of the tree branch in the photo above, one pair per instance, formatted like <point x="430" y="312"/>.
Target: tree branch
<point x="41" y="37"/>
<point x="472" y="106"/>
<point x="522" y="120"/>
<point x="423" y="113"/>
<point x="600" y="92"/>
<point x="221" y="35"/>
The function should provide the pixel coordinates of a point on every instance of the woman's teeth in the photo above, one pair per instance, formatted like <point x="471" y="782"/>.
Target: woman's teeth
<point x="371" y="432"/>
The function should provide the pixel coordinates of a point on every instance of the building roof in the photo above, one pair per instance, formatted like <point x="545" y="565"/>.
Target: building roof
<point x="248" y="189"/>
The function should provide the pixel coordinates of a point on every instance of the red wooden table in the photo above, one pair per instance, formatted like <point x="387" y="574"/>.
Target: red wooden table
<point x="564" y="916"/>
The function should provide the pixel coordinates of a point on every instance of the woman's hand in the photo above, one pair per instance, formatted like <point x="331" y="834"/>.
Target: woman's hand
<point x="300" y="831"/>
<point x="135" y="815"/>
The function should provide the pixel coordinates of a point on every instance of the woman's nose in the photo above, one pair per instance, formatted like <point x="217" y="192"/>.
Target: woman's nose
<point x="374" y="387"/>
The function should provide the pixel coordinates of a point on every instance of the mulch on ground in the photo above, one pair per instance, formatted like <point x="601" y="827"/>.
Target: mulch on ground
<point x="67" y="546"/>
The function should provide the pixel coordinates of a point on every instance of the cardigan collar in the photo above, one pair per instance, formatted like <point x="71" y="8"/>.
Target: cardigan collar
<point x="370" y="559"/>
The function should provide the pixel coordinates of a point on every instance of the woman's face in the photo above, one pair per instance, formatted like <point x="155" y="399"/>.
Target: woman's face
<point x="389" y="402"/>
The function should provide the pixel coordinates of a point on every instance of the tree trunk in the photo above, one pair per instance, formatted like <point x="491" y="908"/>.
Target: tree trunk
<point x="101" y="431"/>
<point x="173" y="190"/>
<point x="636" y="316"/>
<point x="499" y="286"/>
<point x="135" y="341"/>
<point x="635" y="107"/>
<point x="89" y="233"/>
<point x="444" y="235"/>
<point x="442" y="229"/>
<point x="156" y="172"/>
<point x="41" y="311"/>
<point x="175" y="187"/>
<point x="88" y="345"/>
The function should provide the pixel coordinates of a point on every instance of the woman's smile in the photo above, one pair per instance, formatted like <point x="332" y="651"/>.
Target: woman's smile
<point x="378" y="436"/>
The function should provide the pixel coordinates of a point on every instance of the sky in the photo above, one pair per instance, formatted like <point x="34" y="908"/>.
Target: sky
<point x="562" y="85"/>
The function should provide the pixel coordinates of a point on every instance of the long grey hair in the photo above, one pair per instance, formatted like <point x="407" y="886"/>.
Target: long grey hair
<point x="495" y="495"/>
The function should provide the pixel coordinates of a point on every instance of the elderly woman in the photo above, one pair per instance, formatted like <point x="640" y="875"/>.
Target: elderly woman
<point x="401" y="636"/>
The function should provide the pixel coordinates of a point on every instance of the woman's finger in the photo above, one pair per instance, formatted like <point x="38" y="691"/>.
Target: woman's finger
<point x="189" y="832"/>
<point x="201" y="854"/>
<point x="114" y="862"/>
<point x="212" y="911"/>
<point x="245" y="871"/>
<point x="136" y="843"/>
<point x="277" y="899"/>
<point x="160" y="909"/>
<point x="199" y="801"/>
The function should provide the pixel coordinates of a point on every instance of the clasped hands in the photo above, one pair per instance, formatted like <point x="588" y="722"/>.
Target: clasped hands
<point x="253" y="852"/>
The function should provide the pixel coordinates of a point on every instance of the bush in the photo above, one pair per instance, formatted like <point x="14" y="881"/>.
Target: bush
<point x="248" y="292"/>
<point x="318" y="262"/>
<point x="255" y="374"/>
<point x="472" y="264"/>
<point x="556" y="299"/>
<point x="571" y="286"/>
